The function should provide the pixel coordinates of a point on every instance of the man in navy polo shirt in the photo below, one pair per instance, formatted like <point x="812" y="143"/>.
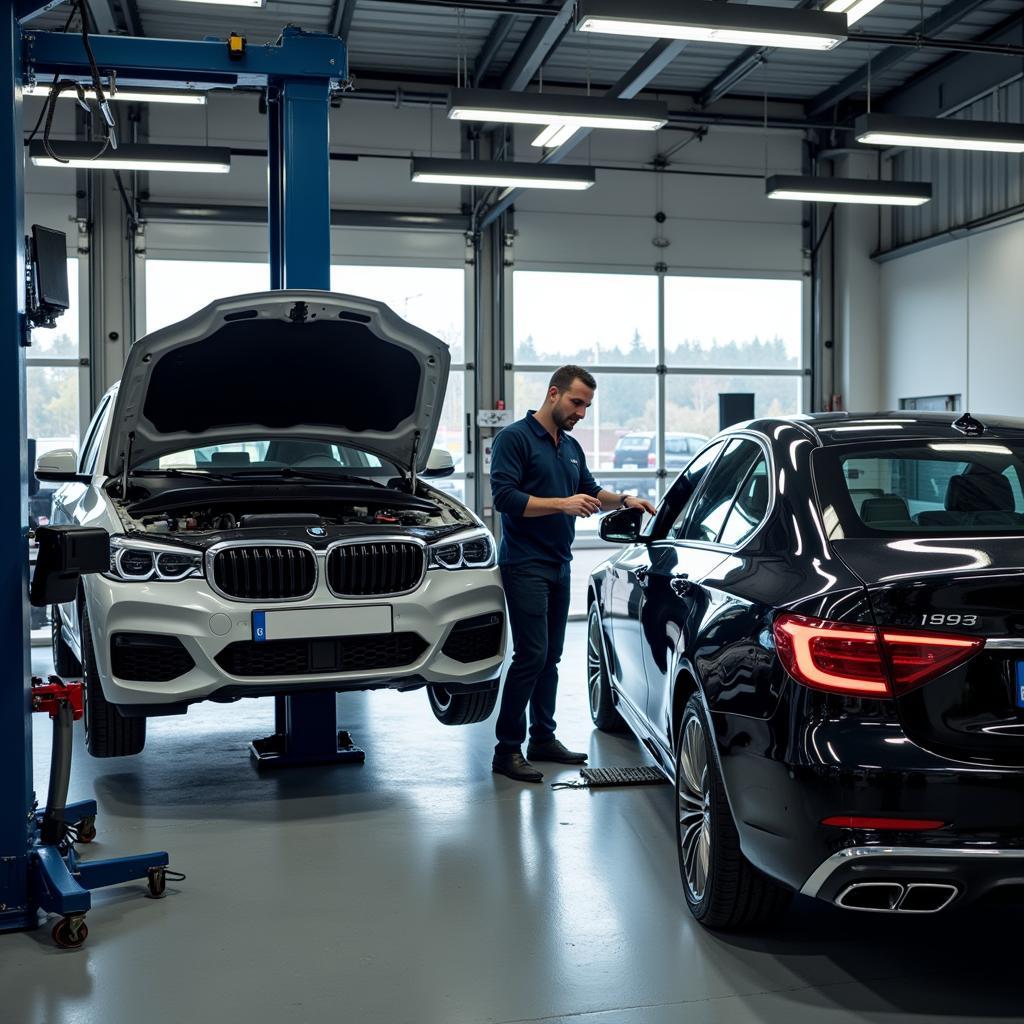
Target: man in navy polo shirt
<point x="540" y="484"/>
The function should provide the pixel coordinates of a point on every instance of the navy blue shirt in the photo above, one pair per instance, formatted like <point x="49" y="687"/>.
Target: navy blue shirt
<point x="526" y="462"/>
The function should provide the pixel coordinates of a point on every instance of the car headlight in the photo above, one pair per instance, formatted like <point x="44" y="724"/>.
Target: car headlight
<point x="139" y="561"/>
<point x="473" y="550"/>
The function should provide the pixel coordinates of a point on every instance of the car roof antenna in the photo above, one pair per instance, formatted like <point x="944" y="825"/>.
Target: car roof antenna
<point x="968" y="425"/>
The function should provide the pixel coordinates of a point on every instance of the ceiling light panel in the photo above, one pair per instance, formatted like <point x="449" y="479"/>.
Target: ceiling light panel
<point x="501" y="173"/>
<point x="939" y="133"/>
<point x="853" y="9"/>
<point x="810" y="189"/>
<point x="122" y="95"/>
<point x="133" y="157"/>
<point x="710" y="22"/>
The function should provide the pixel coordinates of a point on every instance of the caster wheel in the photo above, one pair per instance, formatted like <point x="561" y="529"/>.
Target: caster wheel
<point x="86" y="830"/>
<point x="70" y="932"/>
<point x="157" y="882"/>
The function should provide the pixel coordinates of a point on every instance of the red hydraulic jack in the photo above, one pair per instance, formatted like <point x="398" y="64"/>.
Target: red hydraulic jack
<point x="63" y="882"/>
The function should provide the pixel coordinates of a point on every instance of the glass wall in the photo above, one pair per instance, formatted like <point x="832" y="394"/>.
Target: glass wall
<point x="662" y="350"/>
<point x="430" y="297"/>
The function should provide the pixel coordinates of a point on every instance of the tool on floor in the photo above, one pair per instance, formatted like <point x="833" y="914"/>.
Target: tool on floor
<point x="605" y="778"/>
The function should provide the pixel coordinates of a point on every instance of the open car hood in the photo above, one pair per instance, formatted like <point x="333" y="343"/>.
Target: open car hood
<point x="282" y="364"/>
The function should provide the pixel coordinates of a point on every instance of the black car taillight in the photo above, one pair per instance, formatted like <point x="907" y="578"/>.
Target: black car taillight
<point x="841" y="658"/>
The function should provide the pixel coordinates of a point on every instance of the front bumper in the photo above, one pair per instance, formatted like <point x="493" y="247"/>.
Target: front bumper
<point x="206" y="623"/>
<point x="820" y="756"/>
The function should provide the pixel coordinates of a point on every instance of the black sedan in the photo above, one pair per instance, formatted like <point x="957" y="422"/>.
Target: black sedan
<point x="820" y="640"/>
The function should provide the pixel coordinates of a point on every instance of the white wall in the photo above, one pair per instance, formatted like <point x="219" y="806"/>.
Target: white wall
<point x="952" y="322"/>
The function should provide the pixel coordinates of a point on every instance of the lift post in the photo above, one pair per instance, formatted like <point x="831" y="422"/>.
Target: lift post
<point x="300" y="71"/>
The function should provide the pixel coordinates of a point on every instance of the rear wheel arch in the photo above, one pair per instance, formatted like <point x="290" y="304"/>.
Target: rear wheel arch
<point x="684" y="687"/>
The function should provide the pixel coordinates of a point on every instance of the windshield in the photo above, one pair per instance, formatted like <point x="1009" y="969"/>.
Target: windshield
<point x="320" y="457"/>
<point x="922" y="487"/>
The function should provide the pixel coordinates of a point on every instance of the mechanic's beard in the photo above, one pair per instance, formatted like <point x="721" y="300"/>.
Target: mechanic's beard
<point x="562" y="420"/>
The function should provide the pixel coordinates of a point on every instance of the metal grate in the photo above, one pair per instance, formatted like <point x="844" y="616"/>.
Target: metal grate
<point x="380" y="567"/>
<point x="604" y="778"/>
<point x="368" y="653"/>
<point x="265" y="572"/>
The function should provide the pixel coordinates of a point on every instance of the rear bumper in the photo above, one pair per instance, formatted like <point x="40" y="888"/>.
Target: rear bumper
<point x="972" y="871"/>
<point x="820" y="757"/>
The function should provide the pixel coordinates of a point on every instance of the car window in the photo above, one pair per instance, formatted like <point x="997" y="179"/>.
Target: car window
<point x="705" y="520"/>
<point x="87" y="460"/>
<point x="947" y="486"/>
<point x="750" y="507"/>
<point x="674" y="508"/>
<point x="634" y="442"/>
<point x="676" y="446"/>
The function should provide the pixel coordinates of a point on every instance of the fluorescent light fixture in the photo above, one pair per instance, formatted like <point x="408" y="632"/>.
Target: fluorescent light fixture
<point x="853" y="9"/>
<point x="501" y="173"/>
<point x="227" y="3"/>
<point x="810" y="189"/>
<point x="939" y="133"/>
<point x="562" y="116"/>
<point x="124" y="95"/>
<point x="555" y="134"/>
<point x="140" y="156"/>
<point x="709" y="22"/>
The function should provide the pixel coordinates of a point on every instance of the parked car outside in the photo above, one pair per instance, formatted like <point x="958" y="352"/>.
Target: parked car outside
<point x="819" y="637"/>
<point x="639" y="450"/>
<point x="260" y="470"/>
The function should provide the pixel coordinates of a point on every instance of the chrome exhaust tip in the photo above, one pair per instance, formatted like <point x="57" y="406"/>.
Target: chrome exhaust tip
<point x="881" y="897"/>
<point x="898" y="897"/>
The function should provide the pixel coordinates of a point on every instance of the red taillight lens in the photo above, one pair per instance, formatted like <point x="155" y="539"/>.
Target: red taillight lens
<point x="917" y="657"/>
<point x="652" y="460"/>
<point x="841" y="658"/>
<point x="884" y="824"/>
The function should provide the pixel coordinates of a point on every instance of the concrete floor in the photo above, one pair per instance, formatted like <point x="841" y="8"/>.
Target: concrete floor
<point x="420" y="888"/>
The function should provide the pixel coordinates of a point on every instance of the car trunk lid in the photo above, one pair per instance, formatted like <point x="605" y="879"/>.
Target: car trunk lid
<point x="968" y="587"/>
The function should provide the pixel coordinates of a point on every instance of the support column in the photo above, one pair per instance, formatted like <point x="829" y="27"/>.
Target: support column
<point x="15" y="708"/>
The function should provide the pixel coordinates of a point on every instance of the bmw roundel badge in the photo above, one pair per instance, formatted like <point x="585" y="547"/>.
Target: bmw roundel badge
<point x="316" y="531"/>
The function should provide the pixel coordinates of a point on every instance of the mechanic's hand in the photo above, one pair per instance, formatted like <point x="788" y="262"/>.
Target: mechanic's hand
<point x="580" y="505"/>
<point x="632" y="501"/>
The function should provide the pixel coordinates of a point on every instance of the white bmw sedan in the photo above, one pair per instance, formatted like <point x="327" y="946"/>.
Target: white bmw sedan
<point x="260" y="470"/>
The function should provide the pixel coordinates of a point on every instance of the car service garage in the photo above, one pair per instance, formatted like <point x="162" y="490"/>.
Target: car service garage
<point x="514" y="511"/>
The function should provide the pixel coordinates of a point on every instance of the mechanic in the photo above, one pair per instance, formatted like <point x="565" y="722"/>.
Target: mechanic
<point x="540" y="484"/>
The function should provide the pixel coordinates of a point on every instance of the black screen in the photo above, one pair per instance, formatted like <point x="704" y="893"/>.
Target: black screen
<point x="51" y="267"/>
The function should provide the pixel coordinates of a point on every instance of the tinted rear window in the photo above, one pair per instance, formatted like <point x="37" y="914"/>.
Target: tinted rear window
<point x="924" y="487"/>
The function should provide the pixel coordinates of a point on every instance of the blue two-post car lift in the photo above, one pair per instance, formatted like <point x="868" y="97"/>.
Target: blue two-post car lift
<point x="299" y="72"/>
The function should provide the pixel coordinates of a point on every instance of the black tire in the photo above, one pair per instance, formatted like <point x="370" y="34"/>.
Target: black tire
<point x="730" y="894"/>
<point x="65" y="664"/>
<point x="107" y="733"/>
<point x="451" y="707"/>
<point x="603" y="712"/>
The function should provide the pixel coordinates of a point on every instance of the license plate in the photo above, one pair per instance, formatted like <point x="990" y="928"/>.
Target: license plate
<point x="305" y="623"/>
<point x="1020" y="684"/>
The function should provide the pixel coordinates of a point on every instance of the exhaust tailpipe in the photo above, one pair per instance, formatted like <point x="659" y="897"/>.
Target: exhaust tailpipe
<point x="898" y="897"/>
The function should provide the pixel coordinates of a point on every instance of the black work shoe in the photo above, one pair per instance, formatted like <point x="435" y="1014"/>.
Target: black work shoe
<point x="554" y="750"/>
<point x="515" y="766"/>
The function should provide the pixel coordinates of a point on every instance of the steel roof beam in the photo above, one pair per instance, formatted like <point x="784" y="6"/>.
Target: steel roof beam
<point x="544" y="35"/>
<point x="495" y="40"/>
<point x="891" y="55"/>
<point x="340" y="21"/>
<point x="634" y="81"/>
<point x="746" y="63"/>
<point x="958" y="79"/>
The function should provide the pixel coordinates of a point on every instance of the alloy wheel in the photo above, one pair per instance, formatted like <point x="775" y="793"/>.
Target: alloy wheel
<point x="693" y="802"/>
<point x="594" y="663"/>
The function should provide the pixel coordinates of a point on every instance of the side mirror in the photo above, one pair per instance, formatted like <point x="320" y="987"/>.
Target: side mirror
<point x="439" y="463"/>
<point x="59" y="466"/>
<point x="622" y="526"/>
<point x="66" y="553"/>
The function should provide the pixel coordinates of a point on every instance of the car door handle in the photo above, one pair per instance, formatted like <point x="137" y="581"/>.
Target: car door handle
<point x="641" y="576"/>
<point x="681" y="585"/>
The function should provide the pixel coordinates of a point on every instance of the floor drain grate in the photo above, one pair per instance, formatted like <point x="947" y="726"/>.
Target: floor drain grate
<point x="603" y="778"/>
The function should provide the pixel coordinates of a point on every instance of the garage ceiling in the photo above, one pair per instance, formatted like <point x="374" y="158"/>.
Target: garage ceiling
<point x="419" y="43"/>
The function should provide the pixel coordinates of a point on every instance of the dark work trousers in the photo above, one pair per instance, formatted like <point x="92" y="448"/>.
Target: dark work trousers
<point x="538" y="609"/>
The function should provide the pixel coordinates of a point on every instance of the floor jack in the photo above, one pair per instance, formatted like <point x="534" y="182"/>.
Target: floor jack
<point x="63" y="883"/>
